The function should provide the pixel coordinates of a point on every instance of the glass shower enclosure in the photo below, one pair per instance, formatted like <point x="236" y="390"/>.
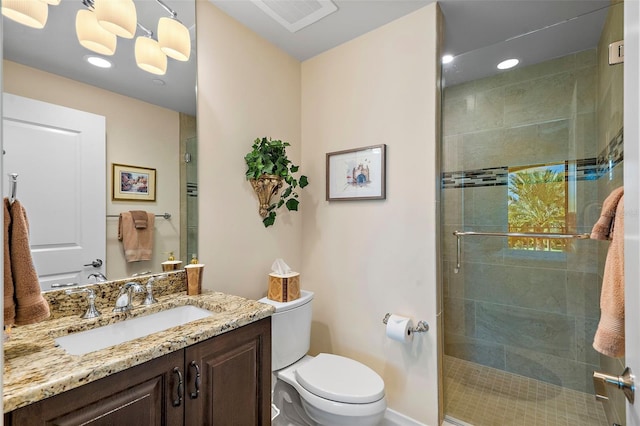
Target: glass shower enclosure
<point x="534" y="150"/>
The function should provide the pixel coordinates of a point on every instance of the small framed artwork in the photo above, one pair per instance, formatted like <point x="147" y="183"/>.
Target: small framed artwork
<point x="133" y="183"/>
<point x="357" y="174"/>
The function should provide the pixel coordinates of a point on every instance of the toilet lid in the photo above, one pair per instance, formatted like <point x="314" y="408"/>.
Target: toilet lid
<point x="340" y="379"/>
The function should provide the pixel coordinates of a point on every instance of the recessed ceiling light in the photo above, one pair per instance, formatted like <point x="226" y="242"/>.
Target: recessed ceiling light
<point x="447" y="58"/>
<point x="99" y="62"/>
<point x="508" y="63"/>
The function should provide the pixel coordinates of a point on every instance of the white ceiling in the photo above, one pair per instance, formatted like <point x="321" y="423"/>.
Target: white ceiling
<point x="469" y="26"/>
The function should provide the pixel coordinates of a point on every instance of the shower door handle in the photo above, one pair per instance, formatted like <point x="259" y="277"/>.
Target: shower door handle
<point x="625" y="382"/>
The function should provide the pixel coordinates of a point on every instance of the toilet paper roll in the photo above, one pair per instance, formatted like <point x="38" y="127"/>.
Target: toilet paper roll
<point x="400" y="328"/>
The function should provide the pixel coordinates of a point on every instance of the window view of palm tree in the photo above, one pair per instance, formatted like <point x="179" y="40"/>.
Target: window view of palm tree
<point x="537" y="202"/>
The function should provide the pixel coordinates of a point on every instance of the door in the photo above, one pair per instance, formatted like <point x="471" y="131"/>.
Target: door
<point x="632" y="196"/>
<point x="58" y="154"/>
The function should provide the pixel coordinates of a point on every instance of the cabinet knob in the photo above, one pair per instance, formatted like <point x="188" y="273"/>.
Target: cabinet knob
<point x="178" y="401"/>
<point x="196" y="391"/>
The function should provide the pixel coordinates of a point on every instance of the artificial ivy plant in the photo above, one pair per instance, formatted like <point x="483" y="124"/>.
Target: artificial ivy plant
<point x="268" y="160"/>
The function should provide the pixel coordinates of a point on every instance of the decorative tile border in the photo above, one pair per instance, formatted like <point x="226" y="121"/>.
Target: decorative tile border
<point x="585" y="169"/>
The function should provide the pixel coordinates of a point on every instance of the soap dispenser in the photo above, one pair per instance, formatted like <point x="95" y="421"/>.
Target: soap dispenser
<point x="171" y="264"/>
<point x="194" y="259"/>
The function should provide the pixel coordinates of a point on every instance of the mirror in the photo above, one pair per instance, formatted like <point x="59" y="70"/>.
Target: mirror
<point x="150" y="120"/>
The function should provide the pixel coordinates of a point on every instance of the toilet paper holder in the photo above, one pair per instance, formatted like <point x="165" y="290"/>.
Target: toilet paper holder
<point x="420" y="327"/>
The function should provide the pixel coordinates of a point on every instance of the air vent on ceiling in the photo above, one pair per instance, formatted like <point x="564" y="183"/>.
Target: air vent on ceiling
<point x="296" y="14"/>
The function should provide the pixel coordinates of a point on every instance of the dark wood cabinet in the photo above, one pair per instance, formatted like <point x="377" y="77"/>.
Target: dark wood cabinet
<point x="235" y="378"/>
<point x="225" y="380"/>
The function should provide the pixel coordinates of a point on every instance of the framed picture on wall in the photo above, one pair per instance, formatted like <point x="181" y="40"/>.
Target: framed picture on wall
<point x="357" y="174"/>
<point x="133" y="183"/>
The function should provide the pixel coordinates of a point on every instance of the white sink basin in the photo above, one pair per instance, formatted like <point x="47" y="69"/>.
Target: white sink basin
<point x="113" y="334"/>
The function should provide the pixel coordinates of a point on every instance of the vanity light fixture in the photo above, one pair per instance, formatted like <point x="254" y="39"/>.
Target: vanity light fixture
<point x="149" y="56"/>
<point x="32" y="13"/>
<point x="92" y="35"/>
<point x="508" y="63"/>
<point x="446" y="59"/>
<point x="117" y="16"/>
<point x="174" y="38"/>
<point x="97" y="61"/>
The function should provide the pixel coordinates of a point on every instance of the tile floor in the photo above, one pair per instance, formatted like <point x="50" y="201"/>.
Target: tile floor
<point x="484" y="396"/>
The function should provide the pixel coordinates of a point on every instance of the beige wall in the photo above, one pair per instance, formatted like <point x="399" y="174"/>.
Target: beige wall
<point x="362" y="259"/>
<point x="247" y="88"/>
<point x="366" y="258"/>
<point x="138" y="133"/>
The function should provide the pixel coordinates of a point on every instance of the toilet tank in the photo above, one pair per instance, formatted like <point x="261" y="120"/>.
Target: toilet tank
<point x="290" y="329"/>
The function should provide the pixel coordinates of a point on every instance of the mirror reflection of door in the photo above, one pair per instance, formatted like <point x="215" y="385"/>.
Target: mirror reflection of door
<point x="59" y="156"/>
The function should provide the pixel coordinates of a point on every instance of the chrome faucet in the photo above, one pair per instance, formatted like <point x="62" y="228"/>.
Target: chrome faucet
<point x="149" y="299"/>
<point x="92" y="312"/>
<point x="100" y="278"/>
<point x="125" y="296"/>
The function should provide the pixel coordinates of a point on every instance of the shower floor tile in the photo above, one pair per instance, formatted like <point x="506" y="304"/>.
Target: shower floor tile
<point x="485" y="396"/>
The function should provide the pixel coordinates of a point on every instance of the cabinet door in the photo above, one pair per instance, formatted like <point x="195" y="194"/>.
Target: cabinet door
<point x="142" y="395"/>
<point x="235" y="378"/>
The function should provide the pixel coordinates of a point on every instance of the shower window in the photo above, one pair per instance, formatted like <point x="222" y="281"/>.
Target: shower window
<point x="538" y="201"/>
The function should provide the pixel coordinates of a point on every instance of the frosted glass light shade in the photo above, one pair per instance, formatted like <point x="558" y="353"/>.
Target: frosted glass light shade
<point x="52" y="2"/>
<point x="92" y="35"/>
<point x="117" y="16"/>
<point x="149" y="57"/>
<point x="32" y="13"/>
<point x="174" y="39"/>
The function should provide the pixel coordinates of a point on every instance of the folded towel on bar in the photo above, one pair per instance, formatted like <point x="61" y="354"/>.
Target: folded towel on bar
<point x="9" y="304"/>
<point x="139" y="218"/>
<point x="31" y="307"/>
<point x="609" y="338"/>
<point x="137" y="243"/>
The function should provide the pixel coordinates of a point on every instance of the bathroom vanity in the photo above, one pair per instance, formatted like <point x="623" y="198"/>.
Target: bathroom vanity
<point x="215" y="370"/>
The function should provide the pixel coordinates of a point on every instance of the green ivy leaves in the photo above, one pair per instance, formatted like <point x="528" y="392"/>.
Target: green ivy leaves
<point x="268" y="156"/>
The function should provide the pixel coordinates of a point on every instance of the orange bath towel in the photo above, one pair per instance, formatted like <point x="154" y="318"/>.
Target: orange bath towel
<point x="609" y="338"/>
<point x="31" y="307"/>
<point x="9" y="304"/>
<point x="137" y="243"/>
<point x="140" y="218"/>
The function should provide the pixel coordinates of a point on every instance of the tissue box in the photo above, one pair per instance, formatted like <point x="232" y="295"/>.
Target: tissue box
<point x="284" y="288"/>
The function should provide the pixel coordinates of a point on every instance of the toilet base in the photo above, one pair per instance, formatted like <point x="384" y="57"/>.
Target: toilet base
<point x="287" y="400"/>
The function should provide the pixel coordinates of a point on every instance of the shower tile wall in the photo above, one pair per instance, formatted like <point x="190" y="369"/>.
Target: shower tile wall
<point x="529" y="313"/>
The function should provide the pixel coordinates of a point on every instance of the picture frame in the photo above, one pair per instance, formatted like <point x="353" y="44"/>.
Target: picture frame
<point x="133" y="183"/>
<point x="356" y="174"/>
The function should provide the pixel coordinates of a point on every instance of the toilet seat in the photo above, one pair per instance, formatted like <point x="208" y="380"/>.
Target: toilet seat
<point x="340" y="379"/>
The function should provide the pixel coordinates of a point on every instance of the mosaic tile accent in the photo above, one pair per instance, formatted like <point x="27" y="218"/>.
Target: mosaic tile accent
<point x="585" y="169"/>
<point x="612" y="155"/>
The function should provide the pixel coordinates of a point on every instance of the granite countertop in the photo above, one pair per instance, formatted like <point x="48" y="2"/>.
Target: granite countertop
<point x="35" y="369"/>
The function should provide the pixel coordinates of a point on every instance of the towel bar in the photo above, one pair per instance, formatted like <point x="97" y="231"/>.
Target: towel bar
<point x="459" y="234"/>
<point x="163" y="215"/>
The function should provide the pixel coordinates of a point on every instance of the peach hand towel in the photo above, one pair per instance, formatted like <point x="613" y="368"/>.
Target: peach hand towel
<point x="137" y="243"/>
<point x="9" y="303"/>
<point x="31" y="307"/>
<point x="609" y="338"/>
<point x="139" y="218"/>
<point x="603" y="228"/>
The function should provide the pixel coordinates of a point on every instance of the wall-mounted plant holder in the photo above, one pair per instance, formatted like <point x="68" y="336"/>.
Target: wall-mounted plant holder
<point x="266" y="186"/>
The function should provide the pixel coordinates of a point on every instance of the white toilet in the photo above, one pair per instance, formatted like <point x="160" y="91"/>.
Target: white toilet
<point x="324" y="390"/>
